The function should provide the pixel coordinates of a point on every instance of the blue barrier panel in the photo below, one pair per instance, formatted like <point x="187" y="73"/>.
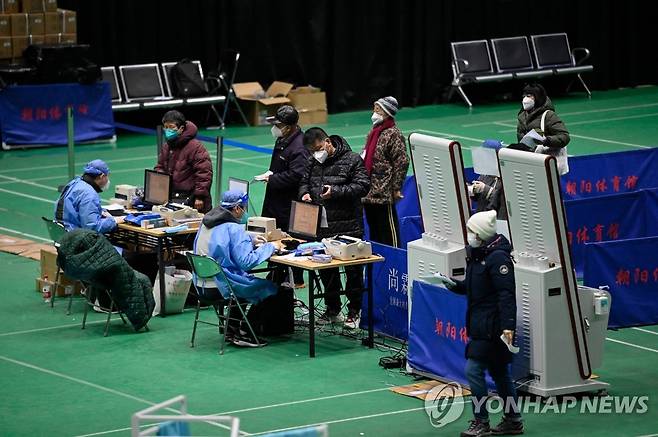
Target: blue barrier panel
<point x="610" y="173"/>
<point x="36" y="114"/>
<point x="630" y="269"/>
<point x="603" y="218"/>
<point x="411" y="228"/>
<point x="437" y="334"/>
<point x="389" y="293"/>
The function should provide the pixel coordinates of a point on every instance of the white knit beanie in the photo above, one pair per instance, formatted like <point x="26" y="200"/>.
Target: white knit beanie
<point x="389" y="105"/>
<point x="483" y="224"/>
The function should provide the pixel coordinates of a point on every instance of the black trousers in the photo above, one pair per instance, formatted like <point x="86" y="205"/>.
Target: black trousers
<point x="383" y="223"/>
<point x="353" y="289"/>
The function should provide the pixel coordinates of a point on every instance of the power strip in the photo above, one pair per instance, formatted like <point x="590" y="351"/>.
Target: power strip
<point x="392" y="362"/>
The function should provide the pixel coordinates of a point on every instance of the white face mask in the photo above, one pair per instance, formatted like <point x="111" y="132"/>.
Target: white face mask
<point x="472" y="239"/>
<point x="106" y="186"/>
<point x="276" y="132"/>
<point x="321" y="156"/>
<point x="376" y="118"/>
<point x="528" y="103"/>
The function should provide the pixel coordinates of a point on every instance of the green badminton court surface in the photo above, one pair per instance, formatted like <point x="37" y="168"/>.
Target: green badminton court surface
<point x="58" y="380"/>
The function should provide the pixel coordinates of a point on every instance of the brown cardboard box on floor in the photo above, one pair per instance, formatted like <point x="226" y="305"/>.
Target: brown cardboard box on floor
<point x="68" y="38"/>
<point x="9" y="7"/>
<point x="18" y="44"/>
<point x="5" y="47"/>
<point x="257" y="103"/>
<point x="49" y="268"/>
<point x="30" y="6"/>
<point x="5" y="25"/>
<point x="311" y="103"/>
<point x="52" y="23"/>
<point x="19" y="24"/>
<point x="68" y="20"/>
<point x="36" y="24"/>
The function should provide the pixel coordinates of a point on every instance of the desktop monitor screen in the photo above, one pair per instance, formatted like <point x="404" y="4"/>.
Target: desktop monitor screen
<point x="157" y="187"/>
<point x="239" y="185"/>
<point x="304" y="219"/>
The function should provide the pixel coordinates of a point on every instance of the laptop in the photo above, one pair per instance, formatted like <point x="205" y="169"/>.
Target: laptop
<point x="157" y="187"/>
<point x="304" y="220"/>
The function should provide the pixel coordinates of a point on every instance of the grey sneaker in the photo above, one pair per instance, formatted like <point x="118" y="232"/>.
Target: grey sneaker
<point x="476" y="428"/>
<point x="328" y="318"/>
<point x="508" y="427"/>
<point x="353" y="320"/>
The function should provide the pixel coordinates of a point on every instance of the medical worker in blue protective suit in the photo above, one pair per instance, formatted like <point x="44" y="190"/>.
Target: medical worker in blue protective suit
<point x="223" y="237"/>
<point x="79" y="205"/>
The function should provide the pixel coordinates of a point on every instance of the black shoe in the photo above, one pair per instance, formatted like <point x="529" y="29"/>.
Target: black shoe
<point x="507" y="427"/>
<point x="247" y="341"/>
<point x="476" y="428"/>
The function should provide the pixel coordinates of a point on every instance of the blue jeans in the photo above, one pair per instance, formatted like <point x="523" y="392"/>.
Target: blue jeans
<point x="504" y="386"/>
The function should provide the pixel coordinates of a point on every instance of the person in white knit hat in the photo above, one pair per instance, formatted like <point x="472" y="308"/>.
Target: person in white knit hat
<point x="490" y="291"/>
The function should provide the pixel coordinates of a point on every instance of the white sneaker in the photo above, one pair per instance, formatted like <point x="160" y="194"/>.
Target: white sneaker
<point x="326" y="319"/>
<point x="352" y="321"/>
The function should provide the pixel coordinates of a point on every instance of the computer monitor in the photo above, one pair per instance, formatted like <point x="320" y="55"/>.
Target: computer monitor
<point x="239" y="185"/>
<point x="157" y="187"/>
<point x="304" y="220"/>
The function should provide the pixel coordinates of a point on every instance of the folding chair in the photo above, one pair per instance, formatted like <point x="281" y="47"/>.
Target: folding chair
<point x="90" y="297"/>
<point x="206" y="268"/>
<point x="224" y="78"/>
<point x="56" y="231"/>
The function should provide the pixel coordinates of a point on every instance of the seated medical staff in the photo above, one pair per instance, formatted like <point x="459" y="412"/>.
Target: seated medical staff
<point x="79" y="205"/>
<point x="222" y="236"/>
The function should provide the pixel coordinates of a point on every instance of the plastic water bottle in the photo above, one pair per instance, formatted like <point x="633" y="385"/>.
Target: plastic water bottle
<point x="46" y="290"/>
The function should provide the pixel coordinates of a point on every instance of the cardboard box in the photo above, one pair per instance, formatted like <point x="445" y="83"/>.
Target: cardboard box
<point x="18" y="44"/>
<point x="36" y="24"/>
<point x="5" y="47"/>
<point x="49" y="267"/>
<point x="52" y="24"/>
<point x="69" y="22"/>
<point x="5" y="25"/>
<point x="9" y="7"/>
<point x="257" y="103"/>
<point x="68" y="38"/>
<point x="19" y="24"/>
<point x="61" y="288"/>
<point x="311" y="103"/>
<point x="38" y="5"/>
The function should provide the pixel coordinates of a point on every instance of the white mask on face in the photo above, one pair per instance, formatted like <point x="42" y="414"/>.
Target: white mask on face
<point x="528" y="103"/>
<point x="376" y="118"/>
<point x="472" y="239"/>
<point x="276" y="132"/>
<point x="106" y="186"/>
<point x="321" y="156"/>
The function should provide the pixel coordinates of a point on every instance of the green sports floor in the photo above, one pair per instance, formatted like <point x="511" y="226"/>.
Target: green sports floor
<point x="58" y="380"/>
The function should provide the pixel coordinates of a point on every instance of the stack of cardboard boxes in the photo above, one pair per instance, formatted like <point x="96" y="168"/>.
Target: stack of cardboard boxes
<point x="25" y="22"/>
<point x="49" y="273"/>
<point x="258" y="103"/>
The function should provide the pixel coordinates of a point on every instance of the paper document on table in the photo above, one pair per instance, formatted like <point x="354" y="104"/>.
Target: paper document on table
<point x="264" y="176"/>
<point x="510" y="346"/>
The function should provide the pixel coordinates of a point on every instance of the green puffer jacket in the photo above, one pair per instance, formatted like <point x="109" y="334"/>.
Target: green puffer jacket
<point x="88" y="256"/>
<point x="556" y="132"/>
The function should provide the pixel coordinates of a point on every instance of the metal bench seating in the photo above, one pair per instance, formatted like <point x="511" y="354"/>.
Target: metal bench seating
<point x="513" y="58"/>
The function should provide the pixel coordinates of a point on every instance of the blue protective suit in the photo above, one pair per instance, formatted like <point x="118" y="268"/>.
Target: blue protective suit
<point x="79" y="206"/>
<point x="223" y="239"/>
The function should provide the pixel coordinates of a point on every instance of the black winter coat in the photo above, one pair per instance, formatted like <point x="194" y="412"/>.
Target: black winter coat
<point x="490" y="290"/>
<point x="345" y="172"/>
<point x="289" y="161"/>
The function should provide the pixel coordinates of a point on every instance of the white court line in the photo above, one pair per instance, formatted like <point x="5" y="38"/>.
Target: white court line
<point x="351" y="419"/>
<point x="583" y="137"/>
<point x="28" y="331"/>
<point x="2" y="228"/>
<point x="91" y="384"/>
<point x="265" y="407"/>
<point x="618" y="108"/>
<point x="28" y="182"/>
<point x="601" y="120"/>
<point x="632" y="345"/>
<point x="648" y="435"/>
<point x="450" y="136"/>
<point x="51" y="201"/>
<point x="645" y="330"/>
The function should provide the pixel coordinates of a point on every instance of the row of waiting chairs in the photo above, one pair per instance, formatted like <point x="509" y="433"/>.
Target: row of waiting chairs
<point x="147" y="86"/>
<point x="516" y="58"/>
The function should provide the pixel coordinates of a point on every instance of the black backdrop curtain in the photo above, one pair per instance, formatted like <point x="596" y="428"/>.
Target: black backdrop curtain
<point x="361" y="50"/>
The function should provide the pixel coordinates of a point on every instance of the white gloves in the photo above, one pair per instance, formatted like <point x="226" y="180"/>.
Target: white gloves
<point x="258" y="240"/>
<point x="263" y="177"/>
<point x="478" y="187"/>
<point x="439" y="279"/>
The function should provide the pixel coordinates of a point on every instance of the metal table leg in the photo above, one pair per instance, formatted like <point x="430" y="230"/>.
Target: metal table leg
<point x="311" y="314"/>
<point x="163" y="311"/>
<point x="371" y="322"/>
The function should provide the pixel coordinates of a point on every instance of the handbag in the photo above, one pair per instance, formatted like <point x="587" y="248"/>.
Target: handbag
<point x="560" y="153"/>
